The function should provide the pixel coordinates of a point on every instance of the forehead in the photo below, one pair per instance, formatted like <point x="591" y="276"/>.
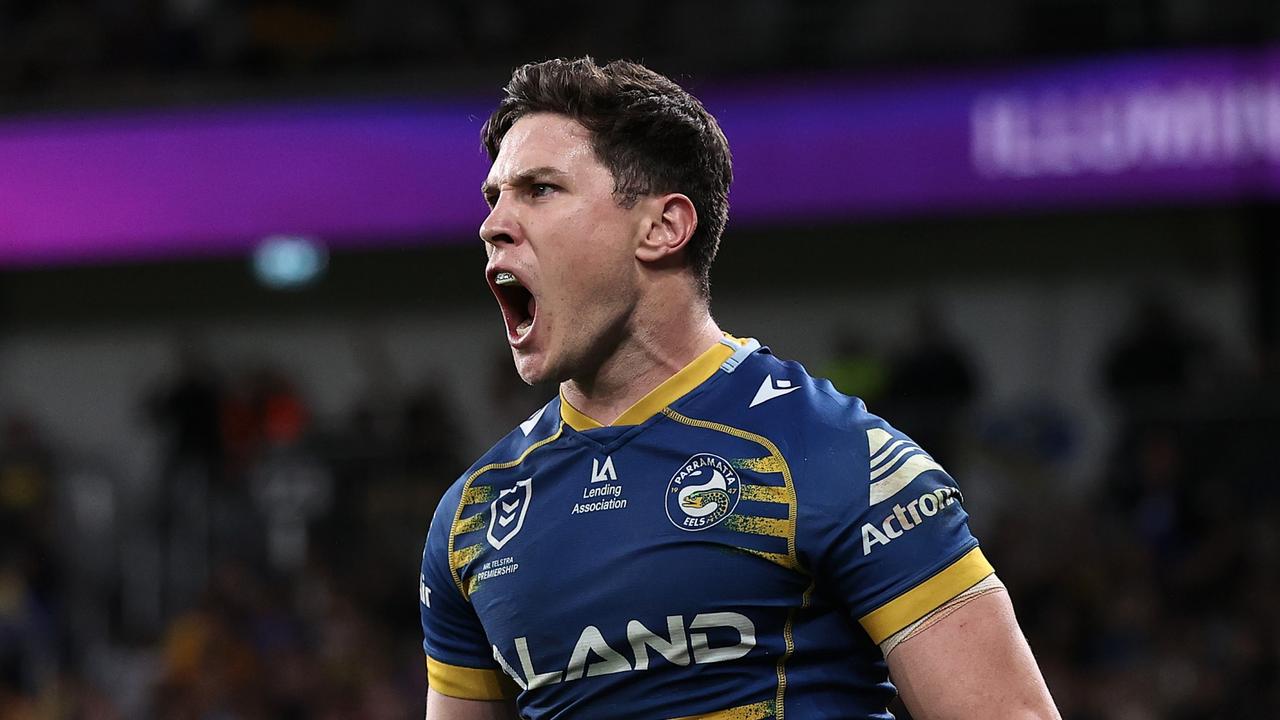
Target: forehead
<point x="542" y="140"/>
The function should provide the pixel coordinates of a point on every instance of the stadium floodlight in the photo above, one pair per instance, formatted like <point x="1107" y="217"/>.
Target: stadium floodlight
<point x="289" y="262"/>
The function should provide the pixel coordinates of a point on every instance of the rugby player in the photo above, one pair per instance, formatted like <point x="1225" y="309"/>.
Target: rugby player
<point x="693" y="528"/>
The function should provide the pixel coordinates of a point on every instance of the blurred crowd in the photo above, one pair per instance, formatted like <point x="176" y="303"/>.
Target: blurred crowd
<point x="268" y="572"/>
<point x="95" y="48"/>
<point x="271" y="573"/>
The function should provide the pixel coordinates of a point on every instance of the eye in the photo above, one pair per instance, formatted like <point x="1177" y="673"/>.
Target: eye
<point x="541" y="189"/>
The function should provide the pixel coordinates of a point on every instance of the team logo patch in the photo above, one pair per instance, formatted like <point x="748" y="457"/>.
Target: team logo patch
<point x="702" y="492"/>
<point x="506" y="515"/>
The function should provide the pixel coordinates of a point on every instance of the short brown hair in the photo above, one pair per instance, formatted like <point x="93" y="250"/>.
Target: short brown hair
<point x="652" y="136"/>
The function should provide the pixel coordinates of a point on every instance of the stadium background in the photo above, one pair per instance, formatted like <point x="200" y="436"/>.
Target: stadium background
<point x="213" y="492"/>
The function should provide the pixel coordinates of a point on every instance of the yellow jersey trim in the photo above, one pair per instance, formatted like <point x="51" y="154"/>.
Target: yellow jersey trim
<point x="468" y="683"/>
<point x="927" y="596"/>
<point x="575" y="418"/>
<point x="671" y="390"/>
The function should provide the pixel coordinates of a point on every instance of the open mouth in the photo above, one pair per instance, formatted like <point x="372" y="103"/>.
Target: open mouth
<point x="519" y="306"/>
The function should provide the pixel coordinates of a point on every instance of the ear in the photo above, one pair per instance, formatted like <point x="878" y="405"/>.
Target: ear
<point x="671" y="223"/>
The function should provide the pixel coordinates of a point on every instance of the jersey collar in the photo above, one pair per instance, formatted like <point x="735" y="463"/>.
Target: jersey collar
<point x="671" y="390"/>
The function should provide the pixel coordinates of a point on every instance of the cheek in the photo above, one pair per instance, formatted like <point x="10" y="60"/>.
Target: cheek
<point x="589" y="271"/>
<point x="589" y="264"/>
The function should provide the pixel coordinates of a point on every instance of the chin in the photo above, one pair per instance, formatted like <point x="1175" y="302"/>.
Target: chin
<point x="531" y="368"/>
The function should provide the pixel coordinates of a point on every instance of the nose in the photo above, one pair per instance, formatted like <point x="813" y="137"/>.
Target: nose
<point x="501" y="226"/>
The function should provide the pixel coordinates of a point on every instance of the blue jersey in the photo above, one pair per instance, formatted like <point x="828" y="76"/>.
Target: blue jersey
<point x="735" y="546"/>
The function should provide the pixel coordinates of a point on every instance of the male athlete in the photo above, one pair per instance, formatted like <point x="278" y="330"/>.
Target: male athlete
<point x="694" y="528"/>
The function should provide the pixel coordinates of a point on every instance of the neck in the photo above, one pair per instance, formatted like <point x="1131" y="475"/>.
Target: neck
<point x="668" y="335"/>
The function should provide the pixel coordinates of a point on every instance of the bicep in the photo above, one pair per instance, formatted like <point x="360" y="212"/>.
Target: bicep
<point x="443" y="707"/>
<point x="972" y="662"/>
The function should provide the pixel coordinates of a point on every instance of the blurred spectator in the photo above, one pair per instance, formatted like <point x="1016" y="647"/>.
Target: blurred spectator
<point x="931" y="383"/>
<point x="26" y="487"/>
<point x="511" y="401"/>
<point x="28" y="636"/>
<point x="286" y="486"/>
<point x="187" y="412"/>
<point x="855" y="369"/>
<point x="1158" y="356"/>
<point x="431" y="437"/>
<point x="187" y="415"/>
<point x="292" y="35"/>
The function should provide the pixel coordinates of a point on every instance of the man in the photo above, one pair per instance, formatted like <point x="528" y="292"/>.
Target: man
<point x="693" y="528"/>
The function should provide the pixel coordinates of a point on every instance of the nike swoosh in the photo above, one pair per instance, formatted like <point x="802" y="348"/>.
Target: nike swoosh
<point x="768" y="392"/>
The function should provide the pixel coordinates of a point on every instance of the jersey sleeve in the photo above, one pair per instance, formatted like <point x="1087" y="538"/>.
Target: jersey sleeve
<point x="895" y="542"/>
<point x="459" y="658"/>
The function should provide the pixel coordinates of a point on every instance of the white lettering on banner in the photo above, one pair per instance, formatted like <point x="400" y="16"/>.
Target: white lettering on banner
<point x="1066" y="133"/>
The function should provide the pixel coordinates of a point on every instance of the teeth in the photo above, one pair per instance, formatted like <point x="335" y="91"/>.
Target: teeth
<point x="505" y="278"/>
<point x="524" y="327"/>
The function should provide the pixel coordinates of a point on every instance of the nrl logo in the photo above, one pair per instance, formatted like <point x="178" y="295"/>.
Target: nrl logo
<point x="506" y="514"/>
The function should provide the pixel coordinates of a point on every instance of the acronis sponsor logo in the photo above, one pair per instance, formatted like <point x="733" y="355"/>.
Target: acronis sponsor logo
<point x="905" y="518"/>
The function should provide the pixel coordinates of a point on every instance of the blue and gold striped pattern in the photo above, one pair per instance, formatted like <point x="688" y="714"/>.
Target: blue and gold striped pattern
<point x="766" y="511"/>
<point x="469" y="518"/>
<point x="765" y="516"/>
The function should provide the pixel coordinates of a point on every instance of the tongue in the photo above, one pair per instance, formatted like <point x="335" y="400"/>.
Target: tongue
<point x="532" y="309"/>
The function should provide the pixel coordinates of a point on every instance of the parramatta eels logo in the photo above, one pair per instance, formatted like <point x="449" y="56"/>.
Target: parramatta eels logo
<point x="702" y="492"/>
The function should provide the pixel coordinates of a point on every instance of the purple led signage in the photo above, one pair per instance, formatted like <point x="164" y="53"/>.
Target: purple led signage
<point x="1199" y="127"/>
<point x="216" y="182"/>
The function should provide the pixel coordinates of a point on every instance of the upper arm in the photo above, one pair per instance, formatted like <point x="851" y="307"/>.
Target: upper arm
<point x="459" y="658"/>
<point x="891" y="534"/>
<point x="443" y="707"/>
<point x="905" y="564"/>
<point x="971" y="661"/>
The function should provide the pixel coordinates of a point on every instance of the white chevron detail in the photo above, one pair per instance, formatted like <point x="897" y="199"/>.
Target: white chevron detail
<point x="886" y="451"/>
<point x="876" y="438"/>
<point x="887" y="484"/>
<point x="882" y="467"/>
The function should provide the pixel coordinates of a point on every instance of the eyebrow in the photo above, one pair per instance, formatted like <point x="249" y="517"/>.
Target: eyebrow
<point x="525" y="177"/>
